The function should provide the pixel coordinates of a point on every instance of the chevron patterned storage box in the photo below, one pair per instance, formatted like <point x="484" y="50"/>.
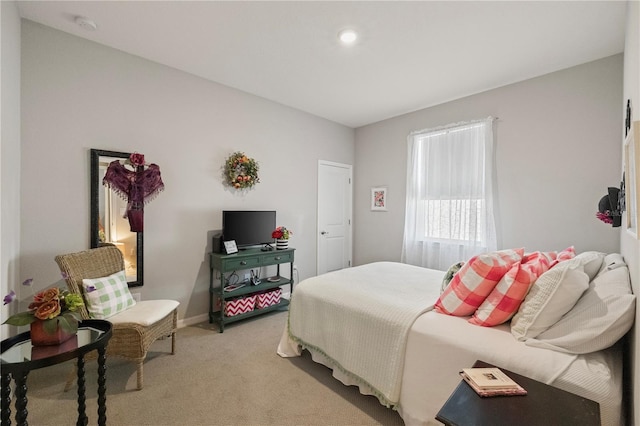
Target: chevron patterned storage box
<point x="239" y="306"/>
<point x="269" y="298"/>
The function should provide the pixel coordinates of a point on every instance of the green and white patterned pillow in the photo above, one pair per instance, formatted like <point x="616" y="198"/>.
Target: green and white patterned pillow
<point x="107" y="296"/>
<point x="448" y="276"/>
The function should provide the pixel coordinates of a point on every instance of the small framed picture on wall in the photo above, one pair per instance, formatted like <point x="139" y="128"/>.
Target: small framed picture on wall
<point x="379" y="198"/>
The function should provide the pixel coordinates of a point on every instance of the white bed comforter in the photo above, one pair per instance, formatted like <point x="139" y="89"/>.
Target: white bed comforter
<point x="369" y="310"/>
<point x="371" y="324"/>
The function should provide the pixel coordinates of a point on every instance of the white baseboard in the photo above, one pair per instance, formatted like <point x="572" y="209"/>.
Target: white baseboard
<point x="186" y="322"/>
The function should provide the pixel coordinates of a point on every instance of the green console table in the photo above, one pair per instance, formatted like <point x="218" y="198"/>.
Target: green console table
<point x="223" y="265"/>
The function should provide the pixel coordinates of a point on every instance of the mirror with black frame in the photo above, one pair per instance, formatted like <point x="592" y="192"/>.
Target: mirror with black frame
<point x="108" y="224"/>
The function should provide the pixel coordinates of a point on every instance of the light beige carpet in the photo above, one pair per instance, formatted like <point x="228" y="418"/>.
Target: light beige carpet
<point x="230" y="378"/>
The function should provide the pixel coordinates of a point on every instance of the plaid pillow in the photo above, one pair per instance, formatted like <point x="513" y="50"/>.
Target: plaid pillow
<point x="475" y="280"/>
<point x="107" y="296"/>
<point x="566" y="254"/>
<point x="505" y="299"/>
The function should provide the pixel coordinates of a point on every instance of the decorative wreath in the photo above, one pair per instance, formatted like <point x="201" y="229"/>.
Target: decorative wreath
<point x="241" y="171"/>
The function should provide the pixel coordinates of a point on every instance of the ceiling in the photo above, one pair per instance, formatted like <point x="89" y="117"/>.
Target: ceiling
<point x="409" y="56"/>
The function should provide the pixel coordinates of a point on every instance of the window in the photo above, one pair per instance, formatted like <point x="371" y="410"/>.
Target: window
<point x="449" y="214"/>
<point x="458" y="220"/>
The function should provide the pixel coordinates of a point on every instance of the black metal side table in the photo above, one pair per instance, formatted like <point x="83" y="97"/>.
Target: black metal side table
<point x="18" y="357"/>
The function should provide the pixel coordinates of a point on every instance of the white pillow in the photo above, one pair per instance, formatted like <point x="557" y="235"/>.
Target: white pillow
<point x="610" y="262"/>
<point x="550" y="297"/>
<point x="107" y="296"/>
<point x="601" y="317"/>
<point x="592" y="262"/>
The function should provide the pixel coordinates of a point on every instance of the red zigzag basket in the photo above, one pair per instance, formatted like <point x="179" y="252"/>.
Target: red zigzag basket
<point x="269" y="298"/>
<point x="239" y="306"/>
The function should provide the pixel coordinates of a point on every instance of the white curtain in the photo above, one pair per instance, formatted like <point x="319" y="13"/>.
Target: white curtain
<point x="449" y="207"/>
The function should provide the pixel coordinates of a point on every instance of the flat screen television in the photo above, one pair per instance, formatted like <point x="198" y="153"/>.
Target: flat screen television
<point x="248" y="227"/>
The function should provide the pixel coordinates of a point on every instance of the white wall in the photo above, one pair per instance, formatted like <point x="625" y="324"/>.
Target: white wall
<point x="9" y="152"/>
<point x="629" y="245"/>
<point x="557" y="151"/>
<point x="79" y="95"/>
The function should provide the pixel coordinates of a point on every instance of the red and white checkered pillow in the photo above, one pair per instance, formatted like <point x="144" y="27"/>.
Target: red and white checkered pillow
<point x="475" y="280"/>
<point x="507" y="296"/>
<point x="566" y="254"/>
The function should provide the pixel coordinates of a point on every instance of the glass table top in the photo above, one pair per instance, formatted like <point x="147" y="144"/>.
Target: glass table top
<point x="24" y="351"/>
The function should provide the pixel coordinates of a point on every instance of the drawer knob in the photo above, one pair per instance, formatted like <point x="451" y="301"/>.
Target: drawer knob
<point x="278" y="257"/>
<point x="244" y="262"/>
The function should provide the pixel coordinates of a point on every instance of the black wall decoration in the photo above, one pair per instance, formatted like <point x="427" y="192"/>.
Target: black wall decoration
<point x="609" y="208"/>
<point x="627" y="121"/>
<point x="621" y="195"/>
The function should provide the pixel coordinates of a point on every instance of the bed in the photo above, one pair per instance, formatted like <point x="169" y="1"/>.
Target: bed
<point x="379" y="327"/>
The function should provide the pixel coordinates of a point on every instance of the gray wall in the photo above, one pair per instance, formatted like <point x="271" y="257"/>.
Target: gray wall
<point x="78" y="95"/>
<point x="9" y="150"/>
<point x="557" y="151"/>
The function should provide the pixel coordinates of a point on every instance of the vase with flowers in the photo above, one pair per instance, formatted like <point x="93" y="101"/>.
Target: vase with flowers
<point x="282" y="234"/>
<point x="53" y="315"/>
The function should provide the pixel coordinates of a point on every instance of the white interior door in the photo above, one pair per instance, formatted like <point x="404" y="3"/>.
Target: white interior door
<point x="334" y="216"/>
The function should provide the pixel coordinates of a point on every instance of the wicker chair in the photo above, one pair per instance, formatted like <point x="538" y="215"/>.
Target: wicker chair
<point x="135" y="329"/>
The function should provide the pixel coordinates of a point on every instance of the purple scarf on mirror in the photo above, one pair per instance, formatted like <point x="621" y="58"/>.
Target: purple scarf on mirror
<point x="137" y="187"/>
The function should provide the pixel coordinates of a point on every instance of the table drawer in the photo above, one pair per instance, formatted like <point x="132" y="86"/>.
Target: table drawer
<point x="241" y="263"/>
<point x="275" y="258"/>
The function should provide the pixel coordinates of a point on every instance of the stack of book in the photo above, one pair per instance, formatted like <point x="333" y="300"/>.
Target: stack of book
<point x="491" y="382"/>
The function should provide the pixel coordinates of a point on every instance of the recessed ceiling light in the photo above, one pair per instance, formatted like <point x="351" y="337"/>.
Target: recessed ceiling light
<point x="85" y="23"/>
<point x="347" y="36"/>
